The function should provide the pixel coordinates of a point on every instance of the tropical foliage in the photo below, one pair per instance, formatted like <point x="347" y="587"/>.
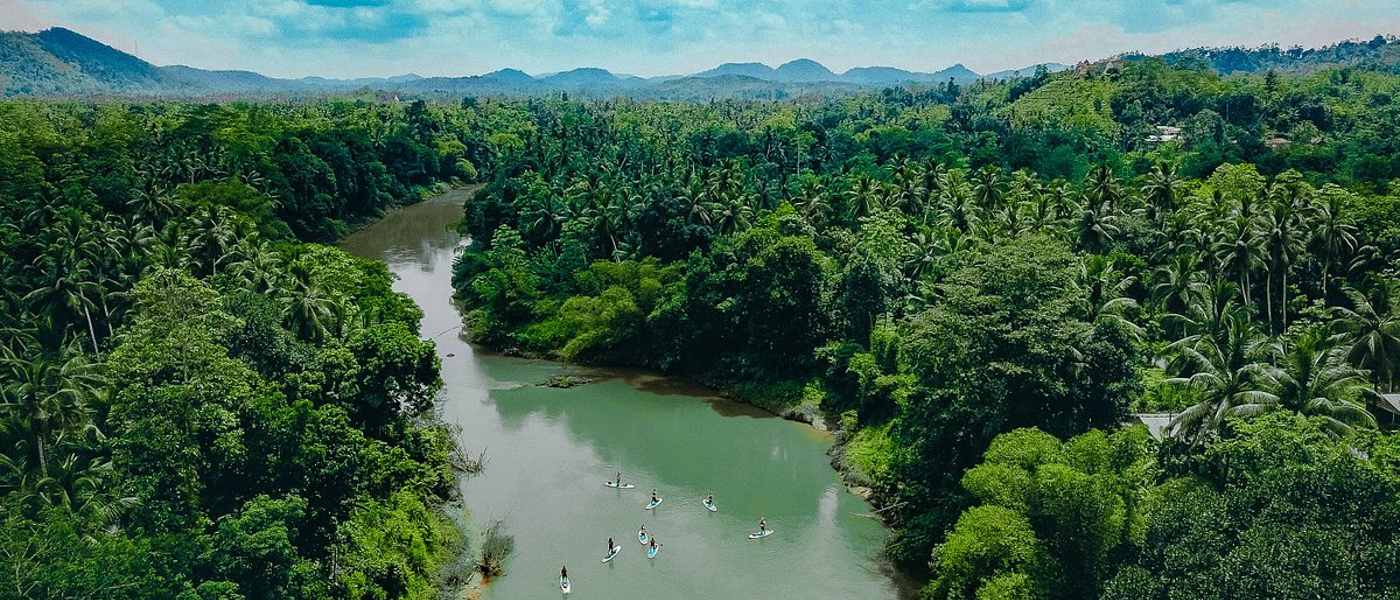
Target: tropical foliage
<point x="195" y="402"/>
<point x="931" y="268"/>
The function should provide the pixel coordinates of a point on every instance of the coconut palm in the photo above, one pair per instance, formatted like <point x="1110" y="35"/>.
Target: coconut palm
<point x="308" y="308"/>
<point x="1370" y="331"/>
<point x="1162" y="190"/>
<point x="863" y="198"/>
<point x="1208" y="312"/>
<point x="1173" y="282"/>
<point x="259" y="268"/>
<point x="988" y="189"/>
<point x="69" y="293"/>
<point x="1228" y="374"/>
<point x="1097" y="226"/>
<point x="1313" y="378"/>
<point x="1103" y="188"/>
<point x="1105" y="293"/>
<point x="46" y="396"/>
<point x="1334" y="237"/>
<point x="1238" y="250"/>
<point x="1283" y="244"/>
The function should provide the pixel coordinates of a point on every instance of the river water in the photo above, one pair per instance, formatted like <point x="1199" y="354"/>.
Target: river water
<point x="548" y="452"/>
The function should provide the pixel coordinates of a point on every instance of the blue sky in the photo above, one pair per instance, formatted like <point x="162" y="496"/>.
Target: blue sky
<point x="348" y="38"/>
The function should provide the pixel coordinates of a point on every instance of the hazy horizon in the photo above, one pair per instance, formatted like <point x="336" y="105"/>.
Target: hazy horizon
<point x="369" y="38"/>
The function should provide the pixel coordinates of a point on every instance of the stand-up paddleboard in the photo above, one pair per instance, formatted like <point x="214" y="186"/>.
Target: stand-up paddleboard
<point x="565" y="586"/>
<point x="643" y="537"/>
<point x="613" y="554"/>
<point x="614" y="485"/>
<point x="710" y="506"/>
<point x="651" y="552"/>
<point x="758" y="535"/>
<point x="654" y="503"/>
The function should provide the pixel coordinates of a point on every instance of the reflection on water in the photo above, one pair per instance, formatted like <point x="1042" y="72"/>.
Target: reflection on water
<point x="549" y="450"/>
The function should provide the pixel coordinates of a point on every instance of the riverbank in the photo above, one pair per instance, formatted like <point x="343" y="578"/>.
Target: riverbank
<point x="548" y="449"/>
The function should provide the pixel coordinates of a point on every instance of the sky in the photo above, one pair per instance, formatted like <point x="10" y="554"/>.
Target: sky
<point x="353" y="38"/>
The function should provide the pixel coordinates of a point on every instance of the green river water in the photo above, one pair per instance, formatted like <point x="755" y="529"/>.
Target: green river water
<point x="548" y="452"/>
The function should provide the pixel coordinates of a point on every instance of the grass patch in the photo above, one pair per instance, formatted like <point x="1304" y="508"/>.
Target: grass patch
<point x="869" y="452"/>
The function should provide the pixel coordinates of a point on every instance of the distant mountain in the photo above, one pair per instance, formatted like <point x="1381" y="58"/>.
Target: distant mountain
<point x="101" y="62"/>
<point x="225" y="81"/>
<point x="804" y="69"/>
<point x="61" y="62"/>
<point x="509" y="77"/>
<point x="1026" y="72"/>
<point x="882" y="76"/>
<point x="1380" y="51"/>
<point x="957" y="73"/>
<point x="748" y="69"/>
<point x="584" y="76"/>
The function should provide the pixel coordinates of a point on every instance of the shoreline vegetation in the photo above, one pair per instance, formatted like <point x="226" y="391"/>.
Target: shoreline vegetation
<point x="200" y="399"/>
<point x="975" y="286"/>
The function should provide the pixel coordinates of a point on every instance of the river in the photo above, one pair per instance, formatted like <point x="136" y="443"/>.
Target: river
<point x="548" y="452"/>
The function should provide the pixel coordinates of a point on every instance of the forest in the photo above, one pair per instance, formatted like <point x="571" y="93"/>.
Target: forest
<point x="200" y="400"/>
<point x="975" y="286"/>
<point x="978" y="287"/>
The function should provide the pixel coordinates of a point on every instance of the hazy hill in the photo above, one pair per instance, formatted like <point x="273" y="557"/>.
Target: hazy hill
<point x="1380" y="51"/>
<point x="804" y="69"/>
<point x="227" y="81"/>
<point x="61" y="62"/>
<point x="1026" y="72"/>
<point x="748" y="69"/>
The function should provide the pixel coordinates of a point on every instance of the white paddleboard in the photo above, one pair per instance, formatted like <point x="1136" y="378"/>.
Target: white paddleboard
<point x="625" y="486"/>
<point x="710" y="507"/>
<point x="565" y="585"/>
<point x="643" y="537"/>
<point x="651" y="505"/>
<point x="616" y="550"/>
<point x="760" y="535"/>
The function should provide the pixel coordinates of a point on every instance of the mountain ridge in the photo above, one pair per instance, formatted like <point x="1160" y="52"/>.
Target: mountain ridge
<point x="62" y="62"/>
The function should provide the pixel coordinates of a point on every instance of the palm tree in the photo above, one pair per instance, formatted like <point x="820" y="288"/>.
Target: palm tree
<point x="1209" y="311"/>
<point x="812" y="202"/>
<point x="1370" y="331"/>
<point x="1237" y="249"/>
<point x="1227" y="373"/>
<point x="308" y="311"/>
<point x="1314" y="379"/>
<point x="1283" y="243"/>
<point x="1161" y="191"/>
<point x="1103" y="188"/>
<point x="1174" y="281"/>
<point x="259" y="268"/>
<point x="69" y="293"/>
<point x="933" y="182"/>
<point x="695" y="200"/>
<point x="544" y="216"/>
<point x="1105" y="291"/>
<point x="1334" y="237"/>
<point x="988" y="189"/>
<point x="1097" y="226"/>
<point x="956" y="204"/>
<point x="47" y="396"/>
<point x="862" y="198"/>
